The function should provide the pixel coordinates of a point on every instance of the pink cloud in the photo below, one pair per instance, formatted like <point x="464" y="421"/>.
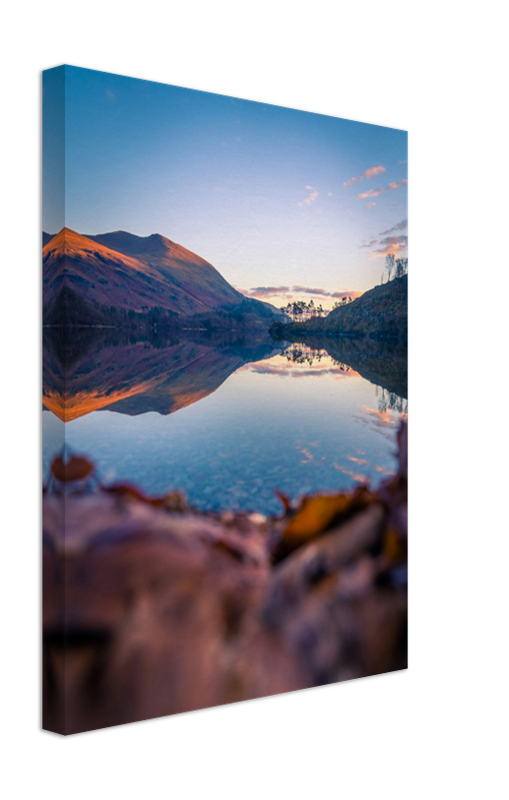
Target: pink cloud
<point x="397" y="184"/>
<point x="369" y="193"/>
<point x="368" y="173"/>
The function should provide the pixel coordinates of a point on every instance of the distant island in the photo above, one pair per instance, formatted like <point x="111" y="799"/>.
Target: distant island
<point x="122" y="280"/>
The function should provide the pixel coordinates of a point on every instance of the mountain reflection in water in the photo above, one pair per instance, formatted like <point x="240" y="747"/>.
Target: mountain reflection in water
<point x="252" y="415"/>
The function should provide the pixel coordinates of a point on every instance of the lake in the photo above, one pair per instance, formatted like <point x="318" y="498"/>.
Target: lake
<point x="226" y="422"/>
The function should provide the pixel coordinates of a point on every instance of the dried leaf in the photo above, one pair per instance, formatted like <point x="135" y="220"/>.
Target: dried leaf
<point x="174" y="501"/>
<point x="315" y="515"/>
<point x="318" y="512"/>
<point x="285" y="500"/>
<point x="76" y="469"/>
<point x="394" y="548"/>
<point x="125" y="491"/>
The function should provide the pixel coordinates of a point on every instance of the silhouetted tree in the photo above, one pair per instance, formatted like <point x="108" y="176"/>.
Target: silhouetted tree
<point x="343" y="302"/>
<point x="401" y="267"/>
<point x="389" y="266"/>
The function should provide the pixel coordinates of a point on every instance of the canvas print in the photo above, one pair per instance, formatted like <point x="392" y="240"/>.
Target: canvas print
<point x="224" y="400"/>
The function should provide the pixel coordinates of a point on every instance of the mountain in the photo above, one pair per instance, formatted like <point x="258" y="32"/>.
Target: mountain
<point x="380" y="313"/>
<point x="85" y="276"/>
<point x="46" y="237"/>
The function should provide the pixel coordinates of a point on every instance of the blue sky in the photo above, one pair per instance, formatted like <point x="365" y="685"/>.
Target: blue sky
<point x="272" y="197"/>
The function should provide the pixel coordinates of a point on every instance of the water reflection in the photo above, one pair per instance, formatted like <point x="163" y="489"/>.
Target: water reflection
<point x="390" y="400"/>
<point x="253" y="416"/>
<point x="299" y="353"/>
<point x="381" y="363"/>
<point x="121" y="373"/>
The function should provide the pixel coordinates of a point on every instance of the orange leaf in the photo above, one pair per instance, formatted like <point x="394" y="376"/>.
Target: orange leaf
<point x="394" y="549"/>
<point x="315" y="514"/>
<point x="318" y="513"/>
<point x="76" y="469"/>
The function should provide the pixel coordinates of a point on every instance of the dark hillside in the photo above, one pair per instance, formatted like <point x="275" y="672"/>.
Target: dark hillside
<point x="380" y="313"/>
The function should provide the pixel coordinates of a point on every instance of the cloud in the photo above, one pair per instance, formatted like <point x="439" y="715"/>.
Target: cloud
<point x="390" y="240"/>
<point x="339" y="295"/>
<point x="289" y="293"/>
<point x="369" y="205"/>
<point x="375" y="192"/>
<point x="261" y="291"/>
<point x="324" y="292"/>
<point x="400" y="226"/>
<point x="369" y="193"/>
<point x="370" y="173"/>
<point x="309" y="290"/>
<point x="397" y="185"/>
<point x="311" y="198"/>
<point x="390" y="246"/>
<point x="367" y="174"/>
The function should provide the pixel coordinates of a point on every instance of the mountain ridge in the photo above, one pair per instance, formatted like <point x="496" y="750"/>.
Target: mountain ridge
<point x="123" y="271"/>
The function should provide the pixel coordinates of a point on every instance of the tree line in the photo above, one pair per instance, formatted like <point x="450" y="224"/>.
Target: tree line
<point x="299" y="310"/>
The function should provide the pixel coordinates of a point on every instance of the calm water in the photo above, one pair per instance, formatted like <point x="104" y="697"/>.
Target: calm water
<point x="228" y="425"/>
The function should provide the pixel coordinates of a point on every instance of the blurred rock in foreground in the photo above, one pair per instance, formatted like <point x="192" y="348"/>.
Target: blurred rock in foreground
<point x="151" y="608"/>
